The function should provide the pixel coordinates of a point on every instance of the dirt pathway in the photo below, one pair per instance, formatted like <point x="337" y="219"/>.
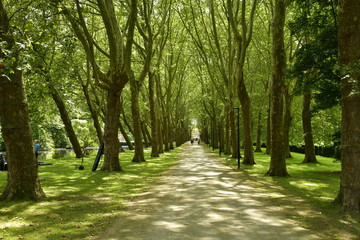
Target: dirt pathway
<point x="201" y="199"/>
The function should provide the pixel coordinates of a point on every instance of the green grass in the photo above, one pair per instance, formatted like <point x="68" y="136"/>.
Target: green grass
<point x="317" y="180"/>
<point x="306" y="195"/>
<point x="79" y="203"/>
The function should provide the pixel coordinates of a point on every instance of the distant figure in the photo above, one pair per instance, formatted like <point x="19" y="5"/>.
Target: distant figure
<point x="199" y="141"/>
<point x="37" y="148"/>
<point x="192" y="141"/>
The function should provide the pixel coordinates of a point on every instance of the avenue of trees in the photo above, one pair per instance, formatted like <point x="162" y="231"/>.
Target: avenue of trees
<point x="77" y="73"/>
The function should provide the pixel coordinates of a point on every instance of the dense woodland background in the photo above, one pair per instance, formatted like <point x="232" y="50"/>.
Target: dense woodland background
<point x="154" y="71"/>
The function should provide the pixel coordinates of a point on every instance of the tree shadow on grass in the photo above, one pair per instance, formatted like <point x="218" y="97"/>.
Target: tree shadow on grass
<point x="78" y="203"/>
<point x="307" y="197"/>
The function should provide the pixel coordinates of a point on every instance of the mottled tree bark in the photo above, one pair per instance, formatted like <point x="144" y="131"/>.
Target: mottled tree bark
<point x="147" y="133"/>
<point x="171" y="134"/>
<point x="268" y="129"/>
<point x="349" y="57"/>
<point x="215" y="134"/>
<point x="66" y="120"/>
<point x="126" y="136"/>
<point x="258" y="134"/>
<point x="166" y="134"/>
<point x="23" y="181"/>
<point x="179" y="135"/>
<point x="154" y="125"/>
<point x="307" y="130"/>
<point x="111" y="138"/>
<point x="248" y="157"/>
<point x="277" y="161"/>
<point x="160" y="137"/>
<point x="138" y="137"/>
<point x="234" y="143"/>
<point x="227" y="131"/>
<point x="287" y="122"/>
<point x="221" y="135"/>
<point x="145" y="136"/>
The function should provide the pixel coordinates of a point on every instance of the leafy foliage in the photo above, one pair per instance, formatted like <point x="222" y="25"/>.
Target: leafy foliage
<point x="315" y="66"/>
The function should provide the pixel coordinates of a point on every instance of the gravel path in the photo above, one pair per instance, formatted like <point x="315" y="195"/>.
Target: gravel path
<point x="201" y="199"/>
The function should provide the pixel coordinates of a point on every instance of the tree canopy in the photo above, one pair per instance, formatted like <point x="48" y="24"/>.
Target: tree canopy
<point x="149" y="73"/>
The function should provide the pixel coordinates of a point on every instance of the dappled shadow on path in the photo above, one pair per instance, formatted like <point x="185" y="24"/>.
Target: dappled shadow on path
<point x="202" y="199"/>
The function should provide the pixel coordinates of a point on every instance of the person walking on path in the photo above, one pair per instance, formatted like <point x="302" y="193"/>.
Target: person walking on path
<point x="200" y="198"/>
<point x="37" y="148"/>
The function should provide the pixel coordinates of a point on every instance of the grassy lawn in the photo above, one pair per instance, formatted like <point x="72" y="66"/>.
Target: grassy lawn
<point x="306" y="195"/>
<point x="79" y="204"/>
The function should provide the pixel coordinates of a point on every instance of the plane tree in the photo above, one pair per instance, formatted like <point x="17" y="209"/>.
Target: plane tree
<point x="117" y="52"/>
<point x="314" y="25"/>
<point x="23" y="180"/>
<point x="349" y="56"/>
<point x="213" y="42"/>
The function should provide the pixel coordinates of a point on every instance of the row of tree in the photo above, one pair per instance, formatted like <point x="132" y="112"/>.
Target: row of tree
<point x="98" y="56"/>
<point x="134" y="66"/>
<point x="290" y="57"/>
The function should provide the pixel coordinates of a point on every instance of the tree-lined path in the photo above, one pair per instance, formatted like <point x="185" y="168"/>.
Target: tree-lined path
<point x="200" y="198"/>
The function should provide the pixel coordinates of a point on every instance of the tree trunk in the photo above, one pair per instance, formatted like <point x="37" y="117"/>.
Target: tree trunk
<point x="246" y="117"/>
<point x="179" y="134"/>
<point x="126" y="136"/>
<point x="307" y="130"/>
<point x="119" y="45"/>
<point x="139" y="147"/>
<point x="112" y="144"/>
<point x="160" y="135"/>
<point x="154" y="125"/>
<point x="145" y="137"/>
<point x="66" y="120"/>
<point x="287" y="122"/>
<point x="221" y="136"/>
<point x="146" y="134"/>
<point x="215" y="134"/>
<point x="127" y="122"/>
<point x="22" y="179"/>
<point x="277" y="161"/>
<point x="349" y="55"/>
<point x="227" y="132"/>
<point x="171" y="135"/>
<point x="268" y="129"/>
<point x="94" y="115"/>
<point x="205" y="133"/>
<point x="211" y="135"/>
<point x="258" y="134"/>
<point x="166" y="134"/>
<point x="234" y="143"/>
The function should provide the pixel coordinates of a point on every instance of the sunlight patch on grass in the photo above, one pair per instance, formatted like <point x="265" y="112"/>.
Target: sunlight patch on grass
<point x="79" y="203"/>
<point x="307" y="195"/>
<point x="320" y="181"/>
